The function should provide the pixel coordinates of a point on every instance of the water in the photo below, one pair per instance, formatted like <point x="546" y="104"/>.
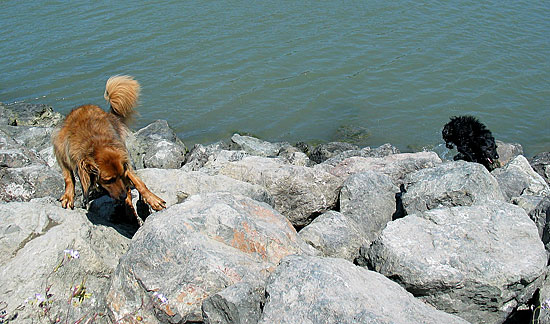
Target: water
<point x="291" y="71"/>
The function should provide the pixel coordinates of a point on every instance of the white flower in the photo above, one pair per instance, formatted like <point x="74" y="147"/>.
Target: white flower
<point x="39" y="298"/>
<point x="545" y="304"/>
<point x="163" y="300"/>
<point x="72" y="254"/>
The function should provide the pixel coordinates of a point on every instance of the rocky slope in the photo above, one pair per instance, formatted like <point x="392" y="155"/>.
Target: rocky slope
<point x="259" y="232"/>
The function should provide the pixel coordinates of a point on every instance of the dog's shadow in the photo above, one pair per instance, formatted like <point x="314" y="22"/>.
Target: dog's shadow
<point x="103" y="210"/>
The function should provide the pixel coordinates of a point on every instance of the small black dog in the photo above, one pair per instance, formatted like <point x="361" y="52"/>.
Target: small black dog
<point x="474" y="142"/>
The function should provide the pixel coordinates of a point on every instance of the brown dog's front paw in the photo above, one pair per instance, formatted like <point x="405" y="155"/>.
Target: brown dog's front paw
<point x="155" y="202"/>
<point x="67" y="201"/>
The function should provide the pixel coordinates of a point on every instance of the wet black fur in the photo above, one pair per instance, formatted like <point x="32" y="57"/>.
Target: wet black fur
<point x="473" y="141"/>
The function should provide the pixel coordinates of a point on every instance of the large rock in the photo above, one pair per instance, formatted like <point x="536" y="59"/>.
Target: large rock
<point x="325" y="151"/>
<point x="156" y="146"/>
<point x="541" y="164"/>
<point x="508" y="151"/>
<point x="538" y="209"/>
<point x="36" y="139"/>
<point x="23" y="173"/>
<point x="299" y="193"/>
<point x="199" y="155"/>
<point x="174" y="185"/>
<point x="238" y="303"/>
<point x="26" y="114"/>
<point x="479" y="262"/>
<point x="450" y="184"/>
<point x="396" y="166"/>
<point x="34" y="237"/>
<point x="518" y="178"/>
<point x="255" y="146"/>
<point x="326" y="290"/>
<point x="369" y="199"/>
<point x="378" y="152"/>
<point x="196" y="249"/>
<point x="335" y="235"/>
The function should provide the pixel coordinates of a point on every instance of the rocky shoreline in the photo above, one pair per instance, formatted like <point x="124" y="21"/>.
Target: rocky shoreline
<point x="260" y="232"/>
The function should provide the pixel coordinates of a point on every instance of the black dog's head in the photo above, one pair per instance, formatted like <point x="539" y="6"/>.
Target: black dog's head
<point x="472" y="139"/>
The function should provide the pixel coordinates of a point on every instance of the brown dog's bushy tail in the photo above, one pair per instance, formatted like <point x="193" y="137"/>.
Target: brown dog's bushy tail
<point x="122" y="92"/>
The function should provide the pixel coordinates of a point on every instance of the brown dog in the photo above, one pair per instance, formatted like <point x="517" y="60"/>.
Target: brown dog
<point x="91" y="142"/>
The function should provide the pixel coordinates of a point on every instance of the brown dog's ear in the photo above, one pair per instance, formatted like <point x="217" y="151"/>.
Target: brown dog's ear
<point x="87" y="170"/>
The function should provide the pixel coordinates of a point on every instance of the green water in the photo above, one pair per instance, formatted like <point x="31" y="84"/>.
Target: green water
<point x="291" y="71"/>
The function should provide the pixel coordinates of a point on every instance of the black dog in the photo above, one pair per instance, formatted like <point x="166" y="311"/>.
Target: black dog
<point x="474" y="142"/>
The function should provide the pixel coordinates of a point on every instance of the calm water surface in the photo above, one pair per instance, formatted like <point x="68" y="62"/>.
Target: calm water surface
<point x="291" y="71"/>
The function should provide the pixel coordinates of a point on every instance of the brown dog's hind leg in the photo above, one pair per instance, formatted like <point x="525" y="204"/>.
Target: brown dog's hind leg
<point x="67" y="200"/>
<point x="150" y="198"/>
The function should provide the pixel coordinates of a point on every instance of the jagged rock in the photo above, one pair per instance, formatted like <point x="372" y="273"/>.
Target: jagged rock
<point x="335" y="235"/>
<point x="369" y="199"/>
<point x="257" y="147"/>
<point x="396" y="166"/>
<point x="156" y="146"/>
<point x="316" y="290"/>
<point x="518" y="178"/>
<point x="196" y="249"/>
<point x="508" y="151"/>
<point x="299" y="193"/>
<point x="34" y="237"/>
<point x="200" y="154"/>
<point x="479" y="262"/>
<point x="541" y="164"/>
<point x="538" y="209"/>
<point x="175" y="185"/>
<point x="379" y="152"/>
<point x="292" y="155"/>
<point x="457" y="183"/>
<point x="27" y="182"/>
<point x="323" y="152"/>
<point x="238" y="303"/>
<point x="37" y="139"/>
<point x="218" y="159"/>
<point x="26" y="114"/>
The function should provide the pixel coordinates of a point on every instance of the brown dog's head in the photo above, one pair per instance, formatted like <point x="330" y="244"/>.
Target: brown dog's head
<point x="109" y="168"/>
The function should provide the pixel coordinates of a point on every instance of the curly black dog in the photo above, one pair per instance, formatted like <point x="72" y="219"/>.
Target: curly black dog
<point x="473" y="141"/>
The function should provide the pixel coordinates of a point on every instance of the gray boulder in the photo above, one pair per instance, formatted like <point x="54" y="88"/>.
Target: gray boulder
<point x="26" y="114"/>
<point x="538" y="209"/>
<point x="292" y="155"/>
<point x="378" y="152"/>
<point x="196" y="249"/>
<point x="325" y="151"/>
<point x="541" y="164"/>
<point x="156" y="146"/>
<point x="39" y="280"/>
<point x="335" y="235"/>
<point x="450" y="184"/>
<point x="197" y="157"/>
<point x="257" y="147"/>
<point x="35" y="139"/>
<point x="175" y="185"/>
<point x="508" y="151"/>
<point x="239" y="303"/>
<point x="396" y="166"/>
<point x="218" y="159"/>
<point x="13" y="154"/>
<point x="518" y="178"/>
<point x="27" y="182"/>
<point x="479" y="262"/>
<point x="369" y="199"/>
<point x="316" y="290"/>
<point x="299" y="193"/>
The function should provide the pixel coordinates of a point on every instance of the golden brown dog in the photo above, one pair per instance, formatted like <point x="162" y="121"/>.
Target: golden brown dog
<point x="91" y="143"/>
